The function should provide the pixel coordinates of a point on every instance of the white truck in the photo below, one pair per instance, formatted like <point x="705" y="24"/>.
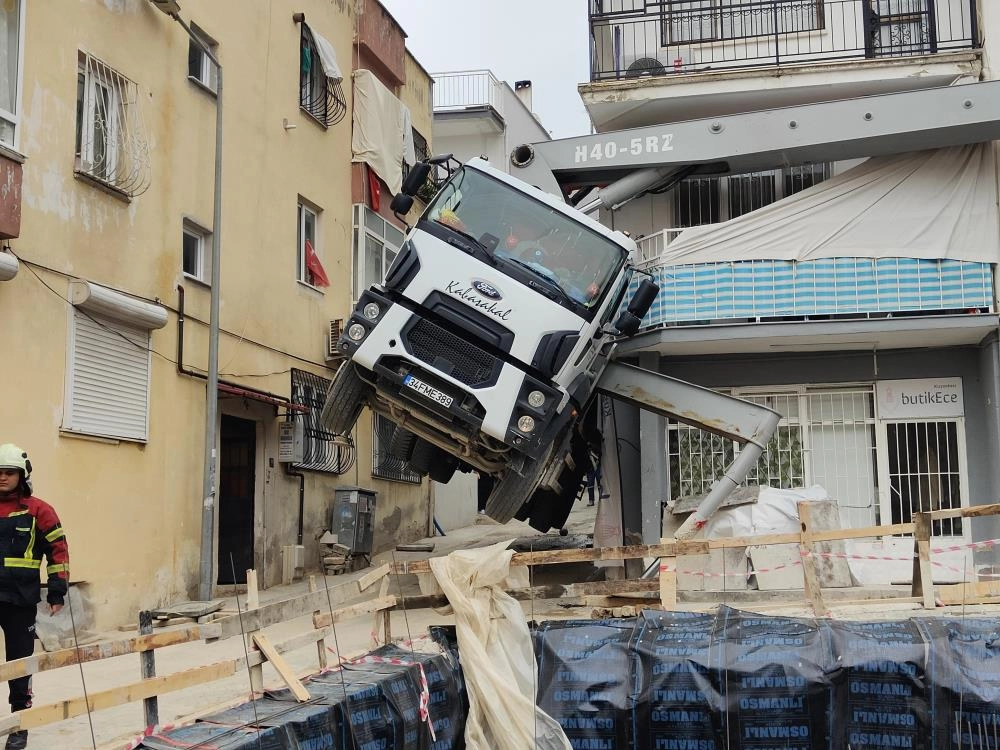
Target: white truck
<point x="496" y="325"/>
<point x="486" y="340"/>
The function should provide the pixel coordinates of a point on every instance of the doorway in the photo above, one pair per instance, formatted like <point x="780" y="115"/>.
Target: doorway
<point x="896" y="28"/>
<point x="237" y="459"/>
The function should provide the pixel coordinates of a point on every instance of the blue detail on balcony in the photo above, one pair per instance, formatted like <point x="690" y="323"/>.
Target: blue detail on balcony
<point x="853" y="287"/>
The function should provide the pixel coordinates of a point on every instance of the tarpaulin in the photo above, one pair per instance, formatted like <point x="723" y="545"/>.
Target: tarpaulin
<point x="379" y="129"/>
<point x="939" y="204"/>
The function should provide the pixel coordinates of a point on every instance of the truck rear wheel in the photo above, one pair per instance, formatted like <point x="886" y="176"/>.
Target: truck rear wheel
<point x="421" y="456"/>
<point x="344" y="400"/>
<point x="513" y="490"/>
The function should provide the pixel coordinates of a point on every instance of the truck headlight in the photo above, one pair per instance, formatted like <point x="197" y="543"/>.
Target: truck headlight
<point x="526" y="424"/>
<point x="372" y="311"/>
<point x="536" y="399"/>
<point x="356" y="331"/>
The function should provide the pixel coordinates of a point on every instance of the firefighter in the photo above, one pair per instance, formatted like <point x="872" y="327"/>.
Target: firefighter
<point x="29" y="530"/>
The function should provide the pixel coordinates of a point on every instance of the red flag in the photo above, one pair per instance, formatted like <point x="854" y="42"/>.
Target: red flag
<point x="319" y="277"/>
<point x="375" y="189"/>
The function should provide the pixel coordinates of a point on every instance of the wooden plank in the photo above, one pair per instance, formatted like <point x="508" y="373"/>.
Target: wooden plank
<point x="47" y="714"/>
<point x="253" y="595"/>
<point x="589" y="554"/>
<point x="282" y="667"/>
<point x="668" y="583"/>
<point x="322" y="619"/>
<point x="374" y="576"/>
<point x="810" y="577"/>
<point x="978" y="592"/>
<point x="922" y="585"/>
<point x="381" y="616"/>
<point x="104" y="650"/>
<point x="974" y="511"/>
<point x="147" y="669"/>
<point x="566" y="593"/>
<point x="832" y="535"/>
<point x="286" y="609"/>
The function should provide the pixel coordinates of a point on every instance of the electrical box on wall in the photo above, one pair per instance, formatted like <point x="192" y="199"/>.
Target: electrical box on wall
<point x="290" y="442"/>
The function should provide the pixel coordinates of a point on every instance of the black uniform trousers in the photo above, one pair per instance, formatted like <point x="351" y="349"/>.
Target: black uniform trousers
<point x="18" y="625"/>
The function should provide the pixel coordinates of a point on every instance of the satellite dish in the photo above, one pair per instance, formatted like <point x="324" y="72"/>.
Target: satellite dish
<point x="645" y="66"/>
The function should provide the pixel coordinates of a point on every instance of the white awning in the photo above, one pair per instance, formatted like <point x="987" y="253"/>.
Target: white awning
<point x="327" y="57"/>
<point x="8" y="266"/>
<point x="378" y="129"/>
<point x="928" y="204"/>
<point x="103" y="301"/>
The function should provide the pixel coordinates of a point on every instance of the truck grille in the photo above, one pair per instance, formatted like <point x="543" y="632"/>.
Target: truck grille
<point x="440" y="348"/>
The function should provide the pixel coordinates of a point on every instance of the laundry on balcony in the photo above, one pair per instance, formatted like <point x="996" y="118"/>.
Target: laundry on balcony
<point x="382" y="129"/>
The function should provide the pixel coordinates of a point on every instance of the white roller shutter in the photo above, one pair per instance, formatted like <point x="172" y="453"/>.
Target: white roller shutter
<point x="108" y="378"/>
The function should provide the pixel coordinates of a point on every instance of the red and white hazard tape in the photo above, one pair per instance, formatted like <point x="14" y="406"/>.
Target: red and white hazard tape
<point x="425" y="693"/>
<point x="987" y="544"/>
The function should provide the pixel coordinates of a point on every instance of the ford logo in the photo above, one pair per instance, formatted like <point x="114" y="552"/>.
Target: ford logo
<point x="486" y="289"/>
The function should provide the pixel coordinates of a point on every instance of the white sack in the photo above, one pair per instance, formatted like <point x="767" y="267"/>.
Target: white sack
<point x="496" y="651"/>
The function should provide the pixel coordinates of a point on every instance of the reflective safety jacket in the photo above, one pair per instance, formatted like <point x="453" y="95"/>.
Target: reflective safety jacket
<point x="30" y="530"/>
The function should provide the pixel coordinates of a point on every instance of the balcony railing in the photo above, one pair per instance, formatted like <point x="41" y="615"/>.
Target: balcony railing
<point x="637" y="38"/>
<point x="755" y="290"/>
<point x="467" y="88"/>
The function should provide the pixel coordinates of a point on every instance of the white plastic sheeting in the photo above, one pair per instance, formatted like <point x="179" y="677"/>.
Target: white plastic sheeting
<point x="381" y="123"/>
<point x="926" y="204"/>
<point x="496" y="651"/>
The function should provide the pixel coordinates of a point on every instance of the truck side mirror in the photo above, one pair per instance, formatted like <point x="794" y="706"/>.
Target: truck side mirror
<point x="415" y="179"/>
<point x="631" y="318"/>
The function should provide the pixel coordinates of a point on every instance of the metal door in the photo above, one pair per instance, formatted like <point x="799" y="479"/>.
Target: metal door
<point x="895" y="28"/>
<point x="238" y="450"/>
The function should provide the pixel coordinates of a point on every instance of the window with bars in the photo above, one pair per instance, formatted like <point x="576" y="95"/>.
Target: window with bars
<point x="825" y="437"/>
<point x="320" y="450"/>
<point x="320" y="94"/>
<point x="924" y="471"/>
<point x="709" y="200"/>
<point x="385" y="465"/>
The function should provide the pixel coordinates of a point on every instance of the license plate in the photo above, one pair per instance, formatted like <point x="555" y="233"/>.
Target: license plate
<point x="430" y="392"/>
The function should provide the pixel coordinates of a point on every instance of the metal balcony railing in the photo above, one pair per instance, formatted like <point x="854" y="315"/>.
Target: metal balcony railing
<point x="467" y="88"/>
<point x="637" y="38"/>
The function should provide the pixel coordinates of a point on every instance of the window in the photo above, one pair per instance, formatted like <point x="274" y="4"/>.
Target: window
<point x="111" y="145"/>
<point x="308" y="247"/>
<point x="196" y="252"/>
<point x="320" y="91"/>
<point x="107" y="384"/>
<point x="200" y="65"/>
<point x="384" y="464"/>
<point x="709" y="200"/>
<point x="320" y="450"/>
<point x="711" y="20"/>
<point x="376" y="242"/>
<point x="11" y="36"/>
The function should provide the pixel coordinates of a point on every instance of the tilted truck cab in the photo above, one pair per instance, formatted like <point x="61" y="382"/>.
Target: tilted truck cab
<point x="485" y="342"/>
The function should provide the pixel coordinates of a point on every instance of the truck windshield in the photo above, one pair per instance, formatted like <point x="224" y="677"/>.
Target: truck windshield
<point x="528" y="233"/>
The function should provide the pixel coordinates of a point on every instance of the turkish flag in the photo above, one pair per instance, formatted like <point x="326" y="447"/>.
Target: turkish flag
<point x="319" y="277"/>
<point x="375" y="189"/>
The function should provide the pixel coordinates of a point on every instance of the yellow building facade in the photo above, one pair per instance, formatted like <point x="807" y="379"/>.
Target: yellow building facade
<point x="108" y="124"/>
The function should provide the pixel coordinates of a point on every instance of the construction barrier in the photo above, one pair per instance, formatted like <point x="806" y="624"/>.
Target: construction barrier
<point x="736" y="680"/>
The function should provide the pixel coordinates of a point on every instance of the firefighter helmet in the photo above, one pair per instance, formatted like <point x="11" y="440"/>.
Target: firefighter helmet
<point x="12" y="457"/>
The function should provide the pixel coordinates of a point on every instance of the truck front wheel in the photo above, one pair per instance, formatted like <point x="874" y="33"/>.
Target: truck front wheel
<point x="513" y="490"/>
<point x="344" y="400"/>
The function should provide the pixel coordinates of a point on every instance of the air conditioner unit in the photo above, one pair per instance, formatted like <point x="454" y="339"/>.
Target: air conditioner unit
<point x="332" y="337"/>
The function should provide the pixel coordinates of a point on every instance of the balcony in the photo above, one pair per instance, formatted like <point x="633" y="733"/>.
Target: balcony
<point x="468" y="101"/>
<point x="775" y="290"/>
<point x="10" y="193"/>
<point x="643" y="50"/>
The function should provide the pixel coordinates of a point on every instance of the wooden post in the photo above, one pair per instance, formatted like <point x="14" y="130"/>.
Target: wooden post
<point x="147" y="668"/>
<point x="923" y="583"/>
<point x="253" y="596"/>
<point x="810" y="577"/>
<point x="380" y="618"/>
<point x="668" y="580"/>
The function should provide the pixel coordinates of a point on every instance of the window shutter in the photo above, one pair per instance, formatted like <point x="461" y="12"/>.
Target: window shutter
<point x="108" y="392"/>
